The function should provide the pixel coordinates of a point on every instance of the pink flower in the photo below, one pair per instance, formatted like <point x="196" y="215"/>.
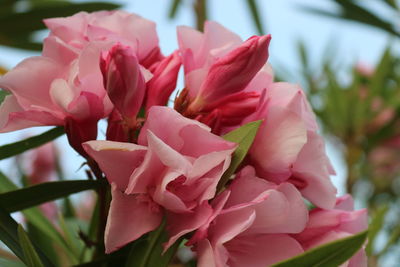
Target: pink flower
<point x="68" y="93"/>
<point x="252" y="227"/>
<point x="287" y="147"/>
<point x="123" y="80"/>
<point x="175" y="167"/>
<point x="52" y="91"/>
<point x="108" y="26"/>
<point x="163" y="82"/>
<point x="232" y="72"/>
<point x="325" y="226"/>
<point x="218" y="67"/>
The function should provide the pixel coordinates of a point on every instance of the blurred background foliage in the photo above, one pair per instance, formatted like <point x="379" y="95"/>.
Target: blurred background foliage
<point x="358" y="106"/>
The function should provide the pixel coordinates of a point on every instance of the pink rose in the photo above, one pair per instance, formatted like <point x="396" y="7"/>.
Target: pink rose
<point x="327" y="225"/>
<point x="176" y="167"/>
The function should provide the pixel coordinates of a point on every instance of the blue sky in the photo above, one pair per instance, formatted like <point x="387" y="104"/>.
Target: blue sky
<point x="282" y="19"/>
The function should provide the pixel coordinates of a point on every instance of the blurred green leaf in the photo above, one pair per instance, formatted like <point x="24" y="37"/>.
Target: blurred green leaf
<point x="175" y="4"/>
<point x="16" y="148"/>
<point x="44" y="192"/>
<point x="9" y="235"/>
<point x="31" y="257"/>
<point x="375" y="226"/>
<point x="328" y="255"/>
<point x="244" y="137"/>
<point x="36" y="218"/>
<point x="393" y="238"/>
<point x="253" y="8"/>
<point x="11" y="263"/>
<point x="355" y="12"/>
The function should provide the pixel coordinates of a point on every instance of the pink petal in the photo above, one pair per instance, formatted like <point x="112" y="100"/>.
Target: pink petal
<point x="180" y="224"/>
<point x="231" y="73"/>
<point x="291" y="95"/>
<point x="117" y="160"/>
<point x="13" y="117"/>
<point x="278" y="143"/>
<point x="123" y="80"/>
<point x="33" y="89"/>
<point x="205" y="253"/>
<point x="261" y="250"/>
<point x="198" y="142"/>
<point x="311" y="167"/>
<point x="163" y="83"/>
<point x="123" y="223"/>
<point x="159" y="121"/>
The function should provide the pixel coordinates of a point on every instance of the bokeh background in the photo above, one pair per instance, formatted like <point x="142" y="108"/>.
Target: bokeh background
<point x="344" y="54"/>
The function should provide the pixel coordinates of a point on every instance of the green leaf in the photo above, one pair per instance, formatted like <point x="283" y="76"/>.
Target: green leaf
<point x="36" y="218"/>
<point x="252" y="5"/>
<point x="175" y="4"/>
<point x="35" y="195"/>
<point x="244" y="137"/>
<point x="11" y="263"/>
<point x="16" y="148"/>
<point x="328" y="255"/>
<point x="375" y="226"/>
<point x="31" y="257"/>
<point x="3" y="95"/>
<point x="353" y="12"/>
<point x="147" y="251"/>
<point x="9" y="235"/>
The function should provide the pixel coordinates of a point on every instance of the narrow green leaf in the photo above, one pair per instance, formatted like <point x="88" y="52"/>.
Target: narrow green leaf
<point x="175" y="4"/>
<point x="5" y="184"/>
<point x="37" y="194"/>
<point x="31" y="257"/>
<point x="353" y="12"/>
<point x="9" y="236"/>
<point x="375" y="226"/>
<point x="244" y="137"/>
<point x="328" y="255"/>
<point x="393" y="238"/>
<point x="253" y="8"/>
<point x="36" y="218"/>
<point x="16" y="148"/>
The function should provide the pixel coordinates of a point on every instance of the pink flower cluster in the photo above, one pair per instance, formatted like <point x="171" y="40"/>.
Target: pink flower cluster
<point x="165" y="162"/>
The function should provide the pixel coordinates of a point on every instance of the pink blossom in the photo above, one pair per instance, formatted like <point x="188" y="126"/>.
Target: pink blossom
<point x="218" y="67"/>
<point x="108" y="26"/>
<point x="52" y="91"/>
<point x="287" y="147"/>
<point x="327" y="225"/>
<point x="175" y="167"/>
<point x="163" y="82"/>
<point x="123" y="80"/>
<point x="252" y="227"/>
